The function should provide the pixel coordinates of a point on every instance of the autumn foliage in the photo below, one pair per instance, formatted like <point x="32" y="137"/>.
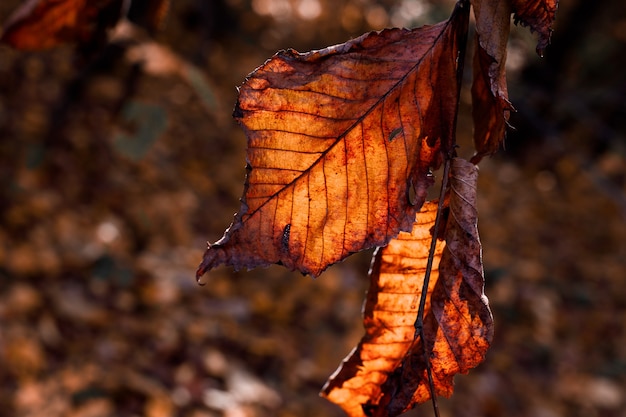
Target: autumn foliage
<point x="387" y="372"/>
<point x="342" y="146"/>
<point x="335" y="156"/>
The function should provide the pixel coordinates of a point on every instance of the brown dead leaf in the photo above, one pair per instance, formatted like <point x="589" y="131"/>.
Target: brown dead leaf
<point x="396" y="281"/>
<point x="41" y="24"/>
<point x="491" y="108"/>
<point x="386" y="374"/>
<point x="336" y="139"/>
<point x="490" y="104"/>
<point x="539" y="15"/>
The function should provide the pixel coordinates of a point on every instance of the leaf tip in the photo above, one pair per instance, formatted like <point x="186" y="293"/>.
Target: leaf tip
<point x="208" y="263"/>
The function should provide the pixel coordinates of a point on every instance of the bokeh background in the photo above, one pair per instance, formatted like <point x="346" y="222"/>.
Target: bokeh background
<point x="116" y="169"/>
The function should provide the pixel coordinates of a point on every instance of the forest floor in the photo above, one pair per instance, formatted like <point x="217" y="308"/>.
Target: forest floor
<point x="109" y="196"/>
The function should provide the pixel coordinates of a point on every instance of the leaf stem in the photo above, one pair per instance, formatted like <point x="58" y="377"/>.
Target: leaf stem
<point x="462" y="4"/>
<point x="448" y="154"/>
<point x="419" y="321"/>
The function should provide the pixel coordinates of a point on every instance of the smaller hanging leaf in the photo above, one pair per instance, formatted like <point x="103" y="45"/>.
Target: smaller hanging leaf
<point x="396" y="280"/>
<point x="491" y="108"/>
<point x="386" y="374"/>
<point x="490" y="103"/>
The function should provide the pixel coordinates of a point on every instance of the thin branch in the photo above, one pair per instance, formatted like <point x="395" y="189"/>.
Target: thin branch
<point x="419" y="322"/>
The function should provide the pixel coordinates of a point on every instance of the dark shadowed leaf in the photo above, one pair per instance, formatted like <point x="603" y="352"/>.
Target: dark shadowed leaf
<point x="490" y="103"/>
<point x="40" y="24"/>
<point x="539" y="15"/>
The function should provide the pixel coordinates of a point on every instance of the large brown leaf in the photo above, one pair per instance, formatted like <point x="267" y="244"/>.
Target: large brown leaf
<point x="386" y="374"/>
<point x="336" y="139"/>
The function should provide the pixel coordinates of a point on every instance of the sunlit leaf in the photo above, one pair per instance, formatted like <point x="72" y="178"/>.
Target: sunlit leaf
<point x="386" y="374"/>
<point x="336" y="140"/>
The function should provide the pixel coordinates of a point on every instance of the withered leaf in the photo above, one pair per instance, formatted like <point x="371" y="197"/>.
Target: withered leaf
<point x="490" y="104"/>
<point x="390" y="310"/>
<point x="386" y="374"/>
<point x="40" y="24"/>
<point x="336" y="138"/>
<point x="539" y="15"/>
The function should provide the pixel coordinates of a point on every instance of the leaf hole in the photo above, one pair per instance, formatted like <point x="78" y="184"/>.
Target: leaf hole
<point x="285" y="238"/>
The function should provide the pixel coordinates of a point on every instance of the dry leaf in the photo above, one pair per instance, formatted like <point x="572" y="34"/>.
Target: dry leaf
<point x="40" y="24"/>
<point x="336" y="140"/>
<point x="396" y="281"/>
<point x="490" y="104"/>
<point x="539" y="15"/>
<point x="386" y="374"/>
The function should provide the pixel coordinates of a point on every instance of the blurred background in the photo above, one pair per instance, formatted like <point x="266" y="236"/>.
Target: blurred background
<point x="118" y="164"/>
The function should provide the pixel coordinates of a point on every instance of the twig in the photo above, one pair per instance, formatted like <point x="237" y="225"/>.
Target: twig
<point x="419" y="321"/>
